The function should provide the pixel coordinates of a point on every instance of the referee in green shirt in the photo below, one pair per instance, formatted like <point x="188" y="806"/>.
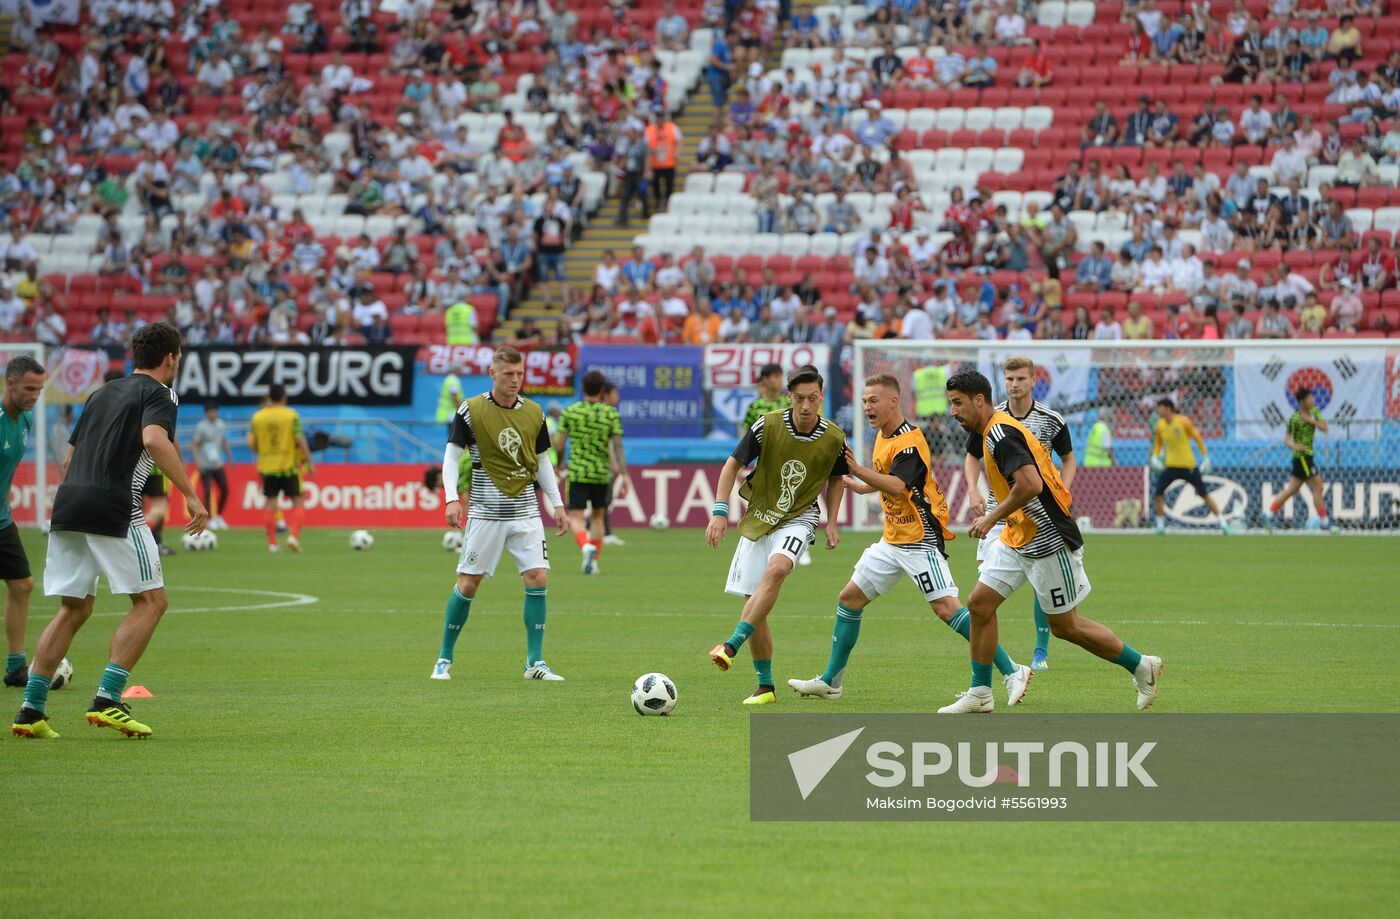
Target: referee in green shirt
<point x="595" y="458"/>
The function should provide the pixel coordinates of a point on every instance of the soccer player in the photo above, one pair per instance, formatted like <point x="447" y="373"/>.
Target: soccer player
<point x="1039" y="543"/>
<point x="595" y="458"/>
<point x="1049" y="428"/>
<point x="1303" y="425"/>
<point x="24" y="381"/>
<point x="1175" y="434"/>
<point x="275" y="436"/>
<point x="210" y="448"/>
<point x="98" y="529"/>
<point x="509" y="445"/>
<point x="795" y="452"/>
<point x="158" y="506"/>
<point x="913" y="544"/>
<point x="771" y="397"/>
<point x="612" y="397"/>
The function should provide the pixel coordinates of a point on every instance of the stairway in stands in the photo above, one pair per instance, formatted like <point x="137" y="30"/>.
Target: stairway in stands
<point x="602" y="233"/>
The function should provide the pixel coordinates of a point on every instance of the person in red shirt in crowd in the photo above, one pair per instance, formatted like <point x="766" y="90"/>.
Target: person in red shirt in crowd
<point x="957" y="213"/>
<point x="918" y="70"/>
<point x="1342" y="268"/>
<point x="275" y="247"/>
<point x="299" y="228"/>
<point x="1035" y="67"/>
<point x="228" y="205"/>
<point x="36" y="76"/>
<point x="630" y="325"/>
<point x="1376" y="266"/>
<point x="511" y="141"/>
<point x="1137" y="47"/>
<point x="902" y="210"/>
<point x="957" y="252"/>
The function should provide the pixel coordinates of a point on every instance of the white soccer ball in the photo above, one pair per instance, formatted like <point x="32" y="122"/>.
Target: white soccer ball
<point x="361" y="540"/>
<point x="190" y="542"/>
<point x="1085" y="524"/>
<point x="207" y="541"/>
<point x="63" y="675"/>
<point x="653" y="694"/>
<point x="659" y="521"/>
<point x="452" y="540"/>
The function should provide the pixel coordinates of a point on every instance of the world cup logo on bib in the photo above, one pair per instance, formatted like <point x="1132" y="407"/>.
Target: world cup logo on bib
<point x="791" y="476"/>
<point x="509" y="441"/>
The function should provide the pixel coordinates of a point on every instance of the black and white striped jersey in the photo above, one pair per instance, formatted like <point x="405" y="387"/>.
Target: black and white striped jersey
<point x="752" y="445"/>
<point x="101" y="493"/>
<point x="1054" y="528"/>
<point x="1044" y="422"/>
<point x="487" y="501"/>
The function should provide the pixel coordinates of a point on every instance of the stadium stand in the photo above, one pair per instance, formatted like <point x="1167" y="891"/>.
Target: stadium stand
<point x="290" y="174"/>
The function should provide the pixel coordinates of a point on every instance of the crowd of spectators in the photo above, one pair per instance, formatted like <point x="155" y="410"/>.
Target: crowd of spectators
<point x="1210" y="246"/>
<point x="234" y="135"/>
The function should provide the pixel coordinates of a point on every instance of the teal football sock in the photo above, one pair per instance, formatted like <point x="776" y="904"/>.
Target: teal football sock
<point x="1042" y="628"/>
<point x="764" y="669"/>
<point x="13" y="662"/>
<point x="1129" y="659"/>
<point x="534" y="624"/>
<point x="843" y="639"/>
<point x="960" y="624"/>
<point x="742" y="631"/>
<point x="113" y="682"/>
<point x="36" y="692"/>
<point x="981" y="675"/>
<point x="458" y="608"/>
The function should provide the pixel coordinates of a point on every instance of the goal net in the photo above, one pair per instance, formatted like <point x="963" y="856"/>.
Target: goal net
<point x="1239" y="396"/>
<point x="31" y="487"/>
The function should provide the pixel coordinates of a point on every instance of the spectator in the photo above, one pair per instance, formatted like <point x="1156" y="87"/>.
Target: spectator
<point x="638" y="272"/>
<point x="1036" y="69"/>
<point x="1136" y="326"/>
<point x="735" y="327"/>
<point x="672" y="30"/>
<point x="1256" y="123"/>
<point x="801" y="216"/>
<point x="1312" y="318"/>
<point x="702" y="327"/>
<point x="1102" y="129"/>
<point x="1273" y="323"/>
<point x="1356" y="167"/>
<point x="1238" y="326"/>
<point x="1107" y="328"/>
<point x="1347" y="308"/>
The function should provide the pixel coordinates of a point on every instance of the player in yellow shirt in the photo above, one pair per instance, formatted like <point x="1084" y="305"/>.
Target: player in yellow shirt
<point x="283" y="456"/>
<point x="1175" y="434"/>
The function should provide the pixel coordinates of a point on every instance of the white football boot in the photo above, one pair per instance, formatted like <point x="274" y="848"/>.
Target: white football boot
<point x="1147" y="679"/>
<point x="973" y="701"/>
<point x="816" y="688"/>
<point x="442" y="670"/>
<point x="541" y="671"/>
<point x="1017" y="683"/>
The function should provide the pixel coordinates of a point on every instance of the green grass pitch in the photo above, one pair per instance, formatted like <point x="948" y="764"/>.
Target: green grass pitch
<point x="303" y="764"/>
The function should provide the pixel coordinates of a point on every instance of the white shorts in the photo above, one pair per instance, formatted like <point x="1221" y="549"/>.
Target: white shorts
<point x="984" y="544"/>
<point x="882" y="565"/>
<point x="1058" y="580"/>
<point x="131" y="563"/>
<point x="486" y="539"/>
<point x="751" y="556"/>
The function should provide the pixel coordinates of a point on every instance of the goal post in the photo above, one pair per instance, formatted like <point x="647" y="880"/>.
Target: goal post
<point x="1238" y="394"/>
<point x="29" y="489"/>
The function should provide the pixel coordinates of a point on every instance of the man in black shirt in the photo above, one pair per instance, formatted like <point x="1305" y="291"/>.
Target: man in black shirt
<point x="99" y="529"/>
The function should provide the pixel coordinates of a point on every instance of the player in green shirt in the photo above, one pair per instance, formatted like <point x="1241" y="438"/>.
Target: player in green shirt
<point x="24" y="381"/>
<point x="595" y="459"/>
<point x="771" y="396"/>
<point x="1302" y="427"/>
